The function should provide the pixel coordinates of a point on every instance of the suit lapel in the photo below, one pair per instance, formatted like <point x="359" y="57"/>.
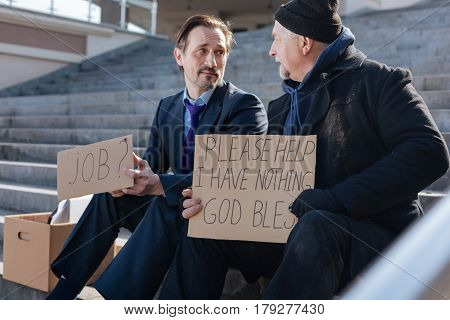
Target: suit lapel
<point x="174" y="132"/>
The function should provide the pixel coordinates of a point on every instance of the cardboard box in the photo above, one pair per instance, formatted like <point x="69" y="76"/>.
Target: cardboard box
<point x="30" y="245"/>
<point x="118" y="245"/>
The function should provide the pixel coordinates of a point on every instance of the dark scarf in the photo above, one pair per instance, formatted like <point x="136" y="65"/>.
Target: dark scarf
<point x="302" y="93"/>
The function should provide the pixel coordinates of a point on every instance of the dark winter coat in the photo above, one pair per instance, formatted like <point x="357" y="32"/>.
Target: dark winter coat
<point x="378" y="145"/>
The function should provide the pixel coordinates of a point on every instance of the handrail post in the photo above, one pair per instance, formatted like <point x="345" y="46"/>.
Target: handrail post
<point x="154" y="14"/>
<point x="123" y="11"/>
<point x="89" y="16"/>
<point x="52" y="7"/>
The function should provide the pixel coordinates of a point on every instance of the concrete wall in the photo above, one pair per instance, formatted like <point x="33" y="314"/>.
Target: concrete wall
<point x="16" y="69"/>
<point x="34" y="44"/>
<point x="354" y="6"/>
<point x="389" y="4"/>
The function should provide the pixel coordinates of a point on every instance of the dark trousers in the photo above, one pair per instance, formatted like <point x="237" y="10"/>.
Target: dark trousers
<point x="323" y="253"/>
<point x="91" y="239"/>
<point x="139" y="269"/>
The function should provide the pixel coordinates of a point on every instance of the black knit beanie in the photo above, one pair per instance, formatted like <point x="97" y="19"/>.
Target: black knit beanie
<point x="315" y="19"/>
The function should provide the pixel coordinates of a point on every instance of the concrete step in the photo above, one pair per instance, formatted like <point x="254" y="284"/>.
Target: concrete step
<point x="70" y="136"/>
<point x="432" y="82"/>
<point x="140" y="84"/>
<point x="122" y="66"/>
<point x="250" y="80"/>
<point x="99" y="102"/>
<point x="39" y="153"/>
<point x="137" y="80"/>
<point x="119" y="102"/>
<point x="63" y="89"/>
<point x="150" y="81"/>
<point x="164" y="81"/>
<point x="239" y="74"/>
<point x="437" y="99"/>
<point x="428" y="68"/>
<point x="27" y="198"/>
<point x="116" y="121"/>
<point x="415" y="57"/>
<point x="404" y="16"/>
<point x="402" y="37"/>
<point x="442" y="119"/>
<point x="75" y="101"/>
<point x="119" y="110"/>
<point x="25" y="152"/>
<point x="33" y="174"/>
<point x="84" y="99"/>
<point x="424" y="66"/>
<point x="239" y="82"/>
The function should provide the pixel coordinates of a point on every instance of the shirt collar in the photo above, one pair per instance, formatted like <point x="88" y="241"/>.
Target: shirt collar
<point x="202" y="100"/>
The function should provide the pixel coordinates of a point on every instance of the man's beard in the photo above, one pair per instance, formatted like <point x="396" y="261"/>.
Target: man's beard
<point x="211" y="80"/>
<point x="284" y="74"/>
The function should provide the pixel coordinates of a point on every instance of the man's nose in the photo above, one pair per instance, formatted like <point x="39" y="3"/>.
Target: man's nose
<point x="272" y="52"/>
<point x="211" y="60"/>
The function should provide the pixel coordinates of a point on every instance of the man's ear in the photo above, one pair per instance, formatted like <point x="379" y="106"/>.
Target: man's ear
<point x="305" y="44"/>
<point x="177" y="54"/>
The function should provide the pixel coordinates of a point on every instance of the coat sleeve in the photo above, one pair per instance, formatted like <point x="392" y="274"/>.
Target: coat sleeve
<point x="247" y="116"/>
<point x="417" y="153"/>
<point x="154" y="154"/>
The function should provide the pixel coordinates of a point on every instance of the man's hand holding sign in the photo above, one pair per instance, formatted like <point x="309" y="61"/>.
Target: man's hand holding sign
<point x="146" y="182"/>
<point x="105" y="166"/>
<point x="243" y="186"/>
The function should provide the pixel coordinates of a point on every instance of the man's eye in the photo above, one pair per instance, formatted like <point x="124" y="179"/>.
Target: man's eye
<point x="220" y="52"/>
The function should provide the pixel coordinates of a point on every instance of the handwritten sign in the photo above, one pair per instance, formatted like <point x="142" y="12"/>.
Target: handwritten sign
<point x="246" y="184"/>
<point x="95" y="168"/>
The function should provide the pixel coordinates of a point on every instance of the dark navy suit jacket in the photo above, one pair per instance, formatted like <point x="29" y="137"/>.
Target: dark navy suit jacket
<point x="229" y="111"/>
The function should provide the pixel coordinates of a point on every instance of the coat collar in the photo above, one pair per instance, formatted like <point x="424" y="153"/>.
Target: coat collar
<point x="351" y="59"/>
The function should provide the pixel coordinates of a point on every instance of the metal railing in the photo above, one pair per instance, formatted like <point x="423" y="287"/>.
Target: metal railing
<point x="93" y="11"/>
<point x="417" y="265"/>
<point x="152" y="6"/>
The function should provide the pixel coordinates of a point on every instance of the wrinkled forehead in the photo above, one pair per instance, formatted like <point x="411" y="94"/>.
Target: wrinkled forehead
<point x="203" y="36"/>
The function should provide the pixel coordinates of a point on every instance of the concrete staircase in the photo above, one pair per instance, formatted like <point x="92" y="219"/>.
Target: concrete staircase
<point x="83" y="103"/>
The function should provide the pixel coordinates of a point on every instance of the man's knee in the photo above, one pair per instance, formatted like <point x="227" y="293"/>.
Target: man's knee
<point x="321" y="225"/>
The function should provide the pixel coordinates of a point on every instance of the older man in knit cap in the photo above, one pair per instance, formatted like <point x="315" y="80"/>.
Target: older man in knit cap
<point x="377" y="148"/>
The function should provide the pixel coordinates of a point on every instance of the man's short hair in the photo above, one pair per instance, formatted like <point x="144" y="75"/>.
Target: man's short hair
<point x="208" y="21"/>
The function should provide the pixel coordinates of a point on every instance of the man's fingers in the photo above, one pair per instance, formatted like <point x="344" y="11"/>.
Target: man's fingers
<point x="135" y="174"/>
<point x="141" y="163"/>
<point x="191" y="202"/>
<point x="192" y="211"/>
<point x="117" y="193"/>
<point x="136" y="159"/>
<point x="131" y="173"/>
<point x="187" y="193"/>
<point x="131" y="192"/>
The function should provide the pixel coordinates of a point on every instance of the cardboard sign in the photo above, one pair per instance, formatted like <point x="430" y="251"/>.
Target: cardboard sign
<point x="246" y="184"/>
<point x="95" y="168"/>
